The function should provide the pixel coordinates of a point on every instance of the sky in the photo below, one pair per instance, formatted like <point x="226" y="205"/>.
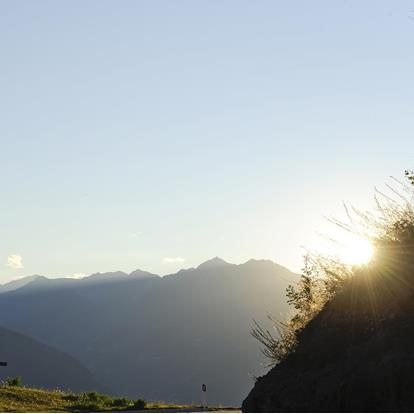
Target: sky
<point x="157" y="134"/>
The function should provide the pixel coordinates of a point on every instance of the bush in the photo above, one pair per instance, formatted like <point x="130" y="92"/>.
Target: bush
<point x="94" y="401"/>
<point x="121" y="402"/>
<point x="89" y="401"/>
<point x="93" y="396"/>
<point x="87" y="406"/>
<point x="139" y="404"/>
<point x="390" y="229"/>
<point x="14" y="382"/>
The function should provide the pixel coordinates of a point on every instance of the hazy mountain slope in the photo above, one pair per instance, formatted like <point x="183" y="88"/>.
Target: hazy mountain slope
<point x="355" y="356"/>
<point x="161" y="337"/>
<point x="40" y="365"/>
<point x="67" y="313"/>
<point x="38" y="283"/>
<point x="194" y="328"/>
<point x="61" y="318"/>
<point x="18" y="283"/>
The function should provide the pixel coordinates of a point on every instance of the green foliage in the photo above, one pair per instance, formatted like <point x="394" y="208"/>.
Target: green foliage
<point x="390" y="229"/>
<point x="94" y="401"/>
<point x="121" y="402"/>
<point x="94" y="396"/>
<point x="321" y="277"/>
<point x="139" y="404"/>
<point x="303" y="297"/>
<point x="14" y="382"/>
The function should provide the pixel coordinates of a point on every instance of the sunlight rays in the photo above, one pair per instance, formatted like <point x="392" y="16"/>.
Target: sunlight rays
<point x="351" y="249"/>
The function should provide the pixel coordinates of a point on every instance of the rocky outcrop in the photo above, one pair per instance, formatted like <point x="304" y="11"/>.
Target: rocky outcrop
<point x="357" y="355"/>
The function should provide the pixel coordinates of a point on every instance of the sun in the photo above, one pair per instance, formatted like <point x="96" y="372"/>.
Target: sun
<point x="355" y="250"/>
<point x="351" y="249"/>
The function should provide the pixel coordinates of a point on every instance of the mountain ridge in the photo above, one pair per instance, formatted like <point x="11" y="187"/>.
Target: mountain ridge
<point x="118" y="275"/>
<point x="163" y="336"/>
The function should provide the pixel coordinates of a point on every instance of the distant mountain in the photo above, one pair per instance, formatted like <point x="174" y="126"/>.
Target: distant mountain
<point x="40" y="365"/>
<point x="161" y="338"/>
<point x="18" y="283"/>
<point x="38" y="282"/>
<point x="111" y="277"/>
<point x="216" y="262"/>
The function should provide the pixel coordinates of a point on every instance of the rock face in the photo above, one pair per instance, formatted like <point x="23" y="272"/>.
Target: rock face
<point x="357" y="355"/>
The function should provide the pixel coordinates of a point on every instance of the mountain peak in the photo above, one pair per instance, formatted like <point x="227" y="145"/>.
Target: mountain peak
<point x="212" y="263"/>
<point x="106" y="275"/>
<point x="142" y="274"/>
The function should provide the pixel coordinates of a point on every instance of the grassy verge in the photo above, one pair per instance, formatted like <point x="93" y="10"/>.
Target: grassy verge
<point x="22" y="399"/>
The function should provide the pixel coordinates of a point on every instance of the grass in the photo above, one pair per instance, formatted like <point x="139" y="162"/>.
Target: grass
<point x="22" y="399"/>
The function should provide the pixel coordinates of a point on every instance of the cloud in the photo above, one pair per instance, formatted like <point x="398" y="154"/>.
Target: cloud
<point x="173" y="260"/>
<point x="15" y="261"/>
<point x="76" y="276"/>
<point x="136" y="235"/>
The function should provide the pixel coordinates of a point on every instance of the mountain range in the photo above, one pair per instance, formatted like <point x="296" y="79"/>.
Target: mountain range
<point x="140" y="334"/>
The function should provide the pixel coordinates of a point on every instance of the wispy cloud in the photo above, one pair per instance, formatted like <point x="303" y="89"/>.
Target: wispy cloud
<point x="173" y="260"/>
<point x="76" y="276"/>
<point x="136" y="235"/>
<point x="15" y="261"/>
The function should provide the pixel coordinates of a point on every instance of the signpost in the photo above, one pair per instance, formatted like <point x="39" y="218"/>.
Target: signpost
<point x="3" y="364"/>
<point x="204" y="395"/>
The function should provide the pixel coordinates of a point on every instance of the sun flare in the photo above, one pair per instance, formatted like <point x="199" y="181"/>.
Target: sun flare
<point x="356" y="251"/>
<point x="349" y="248"/>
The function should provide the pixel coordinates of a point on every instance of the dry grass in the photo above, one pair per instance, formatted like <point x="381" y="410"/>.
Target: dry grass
<point x="22" y="399"/>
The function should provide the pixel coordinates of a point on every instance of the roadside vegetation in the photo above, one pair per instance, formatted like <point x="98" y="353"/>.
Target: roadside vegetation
<point x="390" y="230"/>
<point x="22" y="399"/>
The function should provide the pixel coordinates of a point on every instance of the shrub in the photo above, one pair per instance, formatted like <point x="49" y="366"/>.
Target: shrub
<point x="390" y="229"/>
<point x="121" y="402"/>
<point x="89" y="401"/>
<point x="14" y="382"/>
<point x="139" y="404"/>
<point x="93" y="396"/>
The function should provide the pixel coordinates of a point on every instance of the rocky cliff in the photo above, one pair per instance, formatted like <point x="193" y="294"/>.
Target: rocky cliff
<point x="357" y="355"/>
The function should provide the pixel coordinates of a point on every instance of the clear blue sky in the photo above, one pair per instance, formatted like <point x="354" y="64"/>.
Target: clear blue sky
<point x="134" y="131"/>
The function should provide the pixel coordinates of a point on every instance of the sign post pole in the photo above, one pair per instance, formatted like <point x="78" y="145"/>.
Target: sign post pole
<point x="204" y="395"/>
<point x="3" y="364"/>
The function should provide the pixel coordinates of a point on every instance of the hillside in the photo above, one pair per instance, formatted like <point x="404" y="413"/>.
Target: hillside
<point x="355" y="356"/>
<point x="40" y="365"/>
<point x="162" y="336"/>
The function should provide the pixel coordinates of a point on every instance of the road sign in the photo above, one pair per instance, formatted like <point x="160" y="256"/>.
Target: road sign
<point x="3" y="364"/>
